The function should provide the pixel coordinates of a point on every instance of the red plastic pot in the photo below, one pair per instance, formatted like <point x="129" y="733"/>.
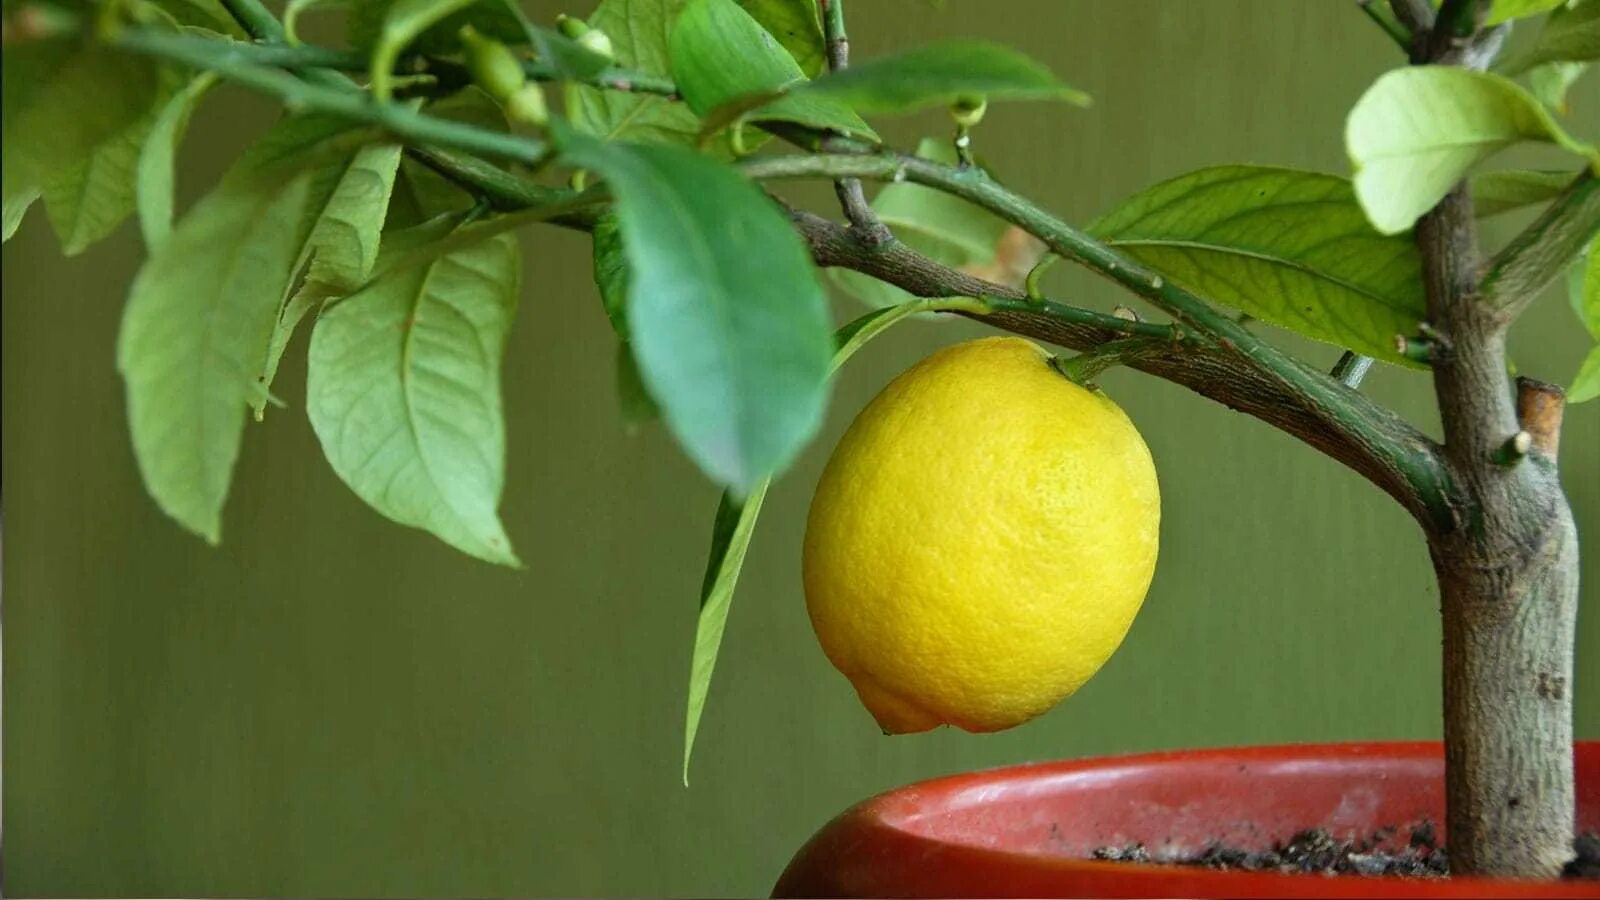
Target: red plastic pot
<point x="1029" y="830"/>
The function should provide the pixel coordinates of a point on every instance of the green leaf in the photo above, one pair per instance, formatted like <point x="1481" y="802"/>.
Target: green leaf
<point x="730" y="540"/>
<point x="156" y="173"/>
<point x="1549" y="82"/>
<point x="403" y="389"/>
<point x="611" y="272"/>
<point x="796" y="26"/>
<point x="16" y="206"/>
<point x="1497" y="192"/>
<point x="1418" y="130"/>
<point x="939" y="74"/>
<point x="1290" y="247"/>
<point x="721" y="54"/>
<point x="200" y="315"/>
<point x="1586" y="292"/>
<point x="1586" y="384"/>
<point x="342" y="246"/>
<point x="727" y="320"/>
<point x="735" y="523"/>
<point x="1506" y="10"/>
<point x="64" y="103"/>
<point x="87" y="202"/>
<point x="1571" y="34"/>
<point x="947" y="229"/>
<point x="639" y="31"/>
<point x="202" y="312"/>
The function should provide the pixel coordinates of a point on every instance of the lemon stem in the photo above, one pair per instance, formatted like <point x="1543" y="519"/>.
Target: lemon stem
<point x="1085" y="367"/>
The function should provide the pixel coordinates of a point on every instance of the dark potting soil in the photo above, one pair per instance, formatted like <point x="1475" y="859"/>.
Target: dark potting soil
<point x="1315" y="851"/>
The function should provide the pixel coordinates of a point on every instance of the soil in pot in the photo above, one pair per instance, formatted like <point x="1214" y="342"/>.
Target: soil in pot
<point x="1313" y="851"/>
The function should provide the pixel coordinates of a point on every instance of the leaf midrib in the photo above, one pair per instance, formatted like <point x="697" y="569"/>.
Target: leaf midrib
<point x="1261" y="257"/>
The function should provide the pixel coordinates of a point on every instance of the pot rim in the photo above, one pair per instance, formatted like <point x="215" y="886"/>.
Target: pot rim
<point x="888" y="817"/>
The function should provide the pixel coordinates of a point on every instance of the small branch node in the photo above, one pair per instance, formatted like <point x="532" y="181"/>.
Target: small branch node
<point x="1540" y="406"/>
<point x="1351" y="368"/>
<point x="1514" y="450"/>
<point x="1126" y="312"/>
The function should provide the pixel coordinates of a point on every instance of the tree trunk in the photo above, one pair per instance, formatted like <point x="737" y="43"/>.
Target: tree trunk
<point x="1507" y="564"/>
<point x="1509" y="610"/>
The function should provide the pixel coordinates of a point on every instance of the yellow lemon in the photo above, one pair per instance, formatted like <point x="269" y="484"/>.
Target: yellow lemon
<point x="981" y="540"/>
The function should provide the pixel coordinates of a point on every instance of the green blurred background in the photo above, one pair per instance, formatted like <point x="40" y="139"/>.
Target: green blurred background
<point x="331" y="704"/>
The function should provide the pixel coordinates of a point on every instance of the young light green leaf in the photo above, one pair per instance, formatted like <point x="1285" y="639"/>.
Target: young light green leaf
<point x="16" y="206"/>
<point x="1571" y="33"/>
<point x="639" y="31"/>
<point x="200" y="314"/>
<point x="1506" y="10"/>
<point x="945" y="228"/>
<point x="348" y="210"/>
<point x="343" y="247"/>
<point x="796" y="26"/>
<point x="1550" y="82"/>
<point x="86" y="202"/>
<point x="349" y="204"/>
<point x="728" y="322"/>
<point x="403" y="390"/>
<point x="735" y="523"/>
<point x="940" y="74"/>
<point x="1290" y="247"/>
<point x="720" y="54"/>
<point x="203" y="308"/>
<point x="1497" y="192"/>
<point x="1586" y="384"/>
<point x="60" y="104"/>
<point x="156" y="174"/>
<point x="1418" y="130"/>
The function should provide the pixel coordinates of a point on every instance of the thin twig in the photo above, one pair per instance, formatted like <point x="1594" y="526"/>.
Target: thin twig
<point x="864" y="223"/>
<point x="232" y="61"/>
<point x="1542" y="251"/>
<point x="1392" y="28"/>
<point x="256" y="20"/>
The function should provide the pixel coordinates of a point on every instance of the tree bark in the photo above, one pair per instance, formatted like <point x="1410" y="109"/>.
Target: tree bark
<point x="1507" y="571"/>
<point x="1509" y="611"/>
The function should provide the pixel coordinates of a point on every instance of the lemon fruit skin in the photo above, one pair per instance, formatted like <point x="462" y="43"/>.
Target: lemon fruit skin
<point x="980" y="541"/>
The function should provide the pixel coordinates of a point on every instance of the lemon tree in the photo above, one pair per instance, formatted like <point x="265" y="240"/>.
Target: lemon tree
<point x="974" y="588"/>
